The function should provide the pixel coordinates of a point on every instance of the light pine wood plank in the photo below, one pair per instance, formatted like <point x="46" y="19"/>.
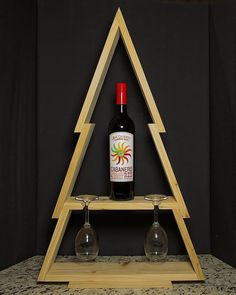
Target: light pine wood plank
<point x="99" y="76"/>
<point x="100" y="273"/>
<point x="74" y="167"/>
<point x="168" y="169"/>
<point x="55" y="243"/>
<point x="134" y="284"/>
<point x="138" y="70"/>
<point x="188" y="244"/>
<point x="104" y="203"/>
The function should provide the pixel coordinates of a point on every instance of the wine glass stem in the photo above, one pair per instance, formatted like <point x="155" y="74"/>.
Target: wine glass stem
<point x="86" y="212"/>
<point x="156" y="214"/>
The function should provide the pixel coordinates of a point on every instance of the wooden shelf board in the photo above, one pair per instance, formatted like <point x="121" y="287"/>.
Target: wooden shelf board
<point x="104" y="203"/>
<point x="110" y="274"/>
<point x="117" y="284"/>
<point x="134" y="284"/>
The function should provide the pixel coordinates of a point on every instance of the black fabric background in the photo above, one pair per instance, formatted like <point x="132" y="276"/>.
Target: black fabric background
<point x="223" y="130"/>
<point x="172" y="41"/>
<point x="18" y="161"/>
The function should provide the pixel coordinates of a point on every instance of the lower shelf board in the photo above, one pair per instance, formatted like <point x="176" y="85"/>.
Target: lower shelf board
<point x="120" y="275"/>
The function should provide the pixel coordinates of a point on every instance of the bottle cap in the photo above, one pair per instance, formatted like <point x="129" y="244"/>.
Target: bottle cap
<point x="121" y="89"/>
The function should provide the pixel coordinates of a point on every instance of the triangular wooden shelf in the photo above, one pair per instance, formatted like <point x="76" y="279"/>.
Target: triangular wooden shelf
<point x="136" y="274"/>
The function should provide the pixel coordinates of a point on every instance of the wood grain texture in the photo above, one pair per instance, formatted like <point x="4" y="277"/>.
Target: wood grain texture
<point x="117" y="29"/>
<point x="138" y="70"/>
<point x="80" y="284"/>
<point x="188" y="244"/>
<point x="99" y="76"/>
<point x="74" y="167"/>
<point x="55" y="243"/>
<point x="104" y="203"/>
<point x="121" y="275"/>
<point x="168" y="169"/>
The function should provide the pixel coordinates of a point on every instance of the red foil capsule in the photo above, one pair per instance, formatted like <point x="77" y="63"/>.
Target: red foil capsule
<point x="121" y="89"/>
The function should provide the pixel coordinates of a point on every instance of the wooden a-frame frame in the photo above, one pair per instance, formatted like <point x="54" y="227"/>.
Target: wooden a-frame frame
<point x="78" y="275"/>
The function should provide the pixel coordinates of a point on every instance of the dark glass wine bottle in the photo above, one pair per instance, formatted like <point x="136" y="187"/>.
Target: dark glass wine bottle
<point x="121" y="149"/>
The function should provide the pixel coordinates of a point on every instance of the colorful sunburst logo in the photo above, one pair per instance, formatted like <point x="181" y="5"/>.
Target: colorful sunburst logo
<point x="121" y="153"/>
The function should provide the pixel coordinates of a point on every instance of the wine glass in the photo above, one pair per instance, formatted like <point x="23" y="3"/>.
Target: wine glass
<point x="86" y="241"/>
<point x="156" y="241"/>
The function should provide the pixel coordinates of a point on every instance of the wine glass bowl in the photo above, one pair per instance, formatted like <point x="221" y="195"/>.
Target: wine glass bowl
<point x="156" y="240"/>
<point x="156" y="243"/>
<point x="86" y="241"/>
<point x="86" y="244"/>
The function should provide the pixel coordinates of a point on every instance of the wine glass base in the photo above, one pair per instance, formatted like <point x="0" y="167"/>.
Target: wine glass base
<point x="86" y="198"/>
<point x="156" y="198"/>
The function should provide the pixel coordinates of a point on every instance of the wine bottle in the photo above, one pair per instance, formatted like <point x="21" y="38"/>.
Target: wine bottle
<point x="121" y="149"/>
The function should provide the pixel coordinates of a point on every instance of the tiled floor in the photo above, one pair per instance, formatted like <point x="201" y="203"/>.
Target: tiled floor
<point x="21" y="279"/>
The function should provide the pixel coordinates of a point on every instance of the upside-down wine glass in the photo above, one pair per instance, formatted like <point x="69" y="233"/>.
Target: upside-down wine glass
<point x="86" y="241"/>
<point x="156" y="241"/>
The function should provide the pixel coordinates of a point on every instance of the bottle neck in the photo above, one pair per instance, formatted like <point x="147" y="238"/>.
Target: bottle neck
<point x="121" y="108"/>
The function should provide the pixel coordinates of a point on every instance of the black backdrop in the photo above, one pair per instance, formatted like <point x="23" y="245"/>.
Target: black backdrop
<point x="18" y="162"/>
<point x="223" y="130"/>
<point x="172" y="42"/>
